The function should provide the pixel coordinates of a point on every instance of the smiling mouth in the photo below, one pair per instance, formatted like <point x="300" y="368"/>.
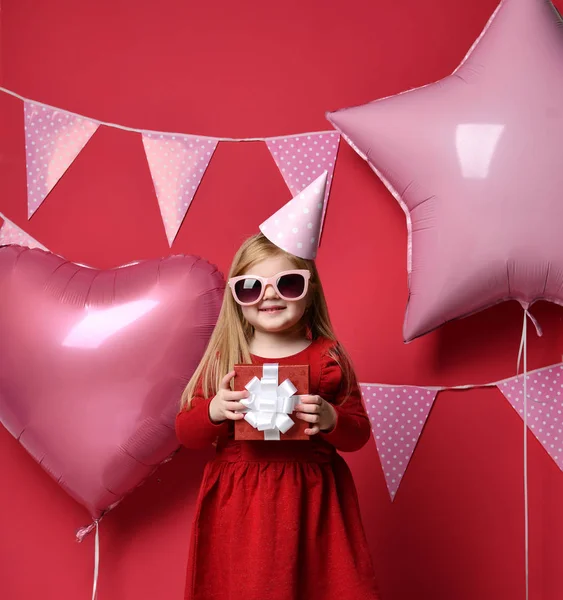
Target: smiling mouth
<point x="272" y="309"/>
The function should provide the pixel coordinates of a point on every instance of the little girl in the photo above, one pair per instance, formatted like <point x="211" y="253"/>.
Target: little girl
<point x="276" y="520"/>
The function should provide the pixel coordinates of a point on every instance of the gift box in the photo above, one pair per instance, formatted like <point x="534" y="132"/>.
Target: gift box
<point x="274" y="391"/>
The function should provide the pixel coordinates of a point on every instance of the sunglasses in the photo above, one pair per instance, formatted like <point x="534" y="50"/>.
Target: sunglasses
<point x="289" y="285"/>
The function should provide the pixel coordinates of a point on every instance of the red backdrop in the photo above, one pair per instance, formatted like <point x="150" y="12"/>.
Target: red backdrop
<point x="254" y="68"/>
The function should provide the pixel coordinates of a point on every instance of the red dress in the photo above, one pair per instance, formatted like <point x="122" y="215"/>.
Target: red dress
<point x="280" y="520"/>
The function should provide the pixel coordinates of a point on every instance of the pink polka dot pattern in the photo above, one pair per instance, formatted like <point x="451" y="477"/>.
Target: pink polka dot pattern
<point x="12" y="234"/>
<point x="397" y="416"/>
<point x="545" y="406"/>
<point x="177" y="164"/>
<point x="296" y="226"/>
<point x="53" y="139"/>
<point x="302" y="158"/>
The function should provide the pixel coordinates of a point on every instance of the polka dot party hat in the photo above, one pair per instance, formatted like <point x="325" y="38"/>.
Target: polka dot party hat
<point x="296" y="226"/>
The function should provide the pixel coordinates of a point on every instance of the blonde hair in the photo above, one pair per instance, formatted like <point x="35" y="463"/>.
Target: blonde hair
<point x="229" y="342"/>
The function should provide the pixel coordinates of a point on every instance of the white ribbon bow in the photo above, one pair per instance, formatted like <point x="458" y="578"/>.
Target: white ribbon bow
<point x="270" y="404"/>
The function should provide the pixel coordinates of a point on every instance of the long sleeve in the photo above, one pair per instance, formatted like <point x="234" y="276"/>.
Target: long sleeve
<point x="194" y="428"/>
<point x="352" y="430"/>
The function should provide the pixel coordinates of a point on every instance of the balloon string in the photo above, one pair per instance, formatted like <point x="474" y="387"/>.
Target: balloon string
<point x="96" y="560"/>
<point x="524" y="352"/>
<point x="527" y="315"/>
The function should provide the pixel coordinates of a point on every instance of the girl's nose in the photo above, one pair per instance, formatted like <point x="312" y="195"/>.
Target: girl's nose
<point x="270" y="292"/>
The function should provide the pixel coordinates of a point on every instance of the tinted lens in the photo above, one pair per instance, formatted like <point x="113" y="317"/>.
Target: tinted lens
<point x="248" y="290"/>
<point x="291" y="286"/>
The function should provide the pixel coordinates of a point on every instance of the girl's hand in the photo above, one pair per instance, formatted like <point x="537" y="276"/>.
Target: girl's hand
<point x="318" y="411"/>
<point x="226" y="402"/>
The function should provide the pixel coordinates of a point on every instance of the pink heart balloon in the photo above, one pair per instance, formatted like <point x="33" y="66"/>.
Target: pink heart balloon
<point x="93" y="363"/>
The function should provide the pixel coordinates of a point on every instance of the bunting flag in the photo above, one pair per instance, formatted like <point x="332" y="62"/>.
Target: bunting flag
<point x="303" y="158"/>
<point x="397" y="416"/>
<point x="53" y="139"/>
<point x="177" y="164"/>
<point x="545" y="406"/>
<point x="12" y="234"/>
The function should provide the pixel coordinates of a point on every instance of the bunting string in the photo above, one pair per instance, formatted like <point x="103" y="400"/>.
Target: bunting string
<point x="137" y="130"/>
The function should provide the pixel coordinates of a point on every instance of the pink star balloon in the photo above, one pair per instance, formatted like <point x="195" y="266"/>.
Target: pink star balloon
<point x="475" y="161"/>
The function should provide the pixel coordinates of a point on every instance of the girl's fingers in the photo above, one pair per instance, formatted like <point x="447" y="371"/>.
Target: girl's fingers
<point x="233" y="416"/>
<point x="307" y="417"/>
<point x="225" y="382"/>
<point x="229" y="396"/>
<point x="308" y="408"/>
<point x="308" y="399"/>
<point x="234" y="406"/>
<point x="312" y="430"/>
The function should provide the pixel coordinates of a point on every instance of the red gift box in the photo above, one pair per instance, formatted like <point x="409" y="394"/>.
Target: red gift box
<point x="297" y="374"/>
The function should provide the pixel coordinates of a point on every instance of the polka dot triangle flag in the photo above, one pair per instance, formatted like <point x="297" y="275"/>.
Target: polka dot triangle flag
<point x="53" y="139"/>
<point x="302" y="158"/>
<point x="545" y="406"/>
<point x="397" y="416"/>
<point x="12" y="234"/>
<point x="177" y="164"/>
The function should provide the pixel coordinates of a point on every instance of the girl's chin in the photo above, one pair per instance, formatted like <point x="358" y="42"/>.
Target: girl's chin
<point x="271" y="326"/>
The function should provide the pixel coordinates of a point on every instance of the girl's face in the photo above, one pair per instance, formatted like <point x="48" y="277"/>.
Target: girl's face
<point x="273" y="314"/>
